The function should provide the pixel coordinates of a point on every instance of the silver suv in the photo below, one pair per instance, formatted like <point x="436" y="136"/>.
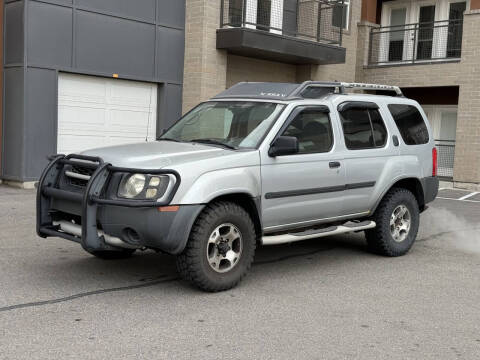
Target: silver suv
<point x="259" y="164"/>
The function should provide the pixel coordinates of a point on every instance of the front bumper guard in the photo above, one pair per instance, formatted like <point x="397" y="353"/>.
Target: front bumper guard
<point x="91" y="239"/>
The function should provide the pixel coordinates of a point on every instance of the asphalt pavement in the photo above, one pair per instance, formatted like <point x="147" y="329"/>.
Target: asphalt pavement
<point x="320" y="299"/>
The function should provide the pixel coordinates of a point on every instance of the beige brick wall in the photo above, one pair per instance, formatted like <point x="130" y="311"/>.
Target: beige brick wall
<point x="249" y="69"/>
<point x="205" y="66"/>
<point x="464" y="73"/>
<point x="442" y="74"/>
<point x="343" y="72"/>
<point x="467" y="150"/>
<point x="241" y="68"/>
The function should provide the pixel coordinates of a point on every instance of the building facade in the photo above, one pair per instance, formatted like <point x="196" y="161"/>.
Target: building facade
<point x="79" y="74"/>
<point x="85" y="73"/>
<point x="431" y="49"/>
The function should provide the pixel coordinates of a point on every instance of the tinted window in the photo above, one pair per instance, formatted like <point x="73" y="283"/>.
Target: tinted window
<point x="379" y="130"/>
<point x="363" y="129"/>
<point x="313" y="130"/>
<point x="410" y="123"/>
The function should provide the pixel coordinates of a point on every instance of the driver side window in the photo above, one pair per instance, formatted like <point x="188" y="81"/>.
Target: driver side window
<point x="313" y="130"/>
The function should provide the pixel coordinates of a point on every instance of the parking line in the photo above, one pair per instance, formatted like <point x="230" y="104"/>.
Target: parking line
<point x="445" y="198"/>
<point x="468" y="196"/>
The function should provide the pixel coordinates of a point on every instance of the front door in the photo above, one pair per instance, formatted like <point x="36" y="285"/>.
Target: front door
<point x="302" y="189"/>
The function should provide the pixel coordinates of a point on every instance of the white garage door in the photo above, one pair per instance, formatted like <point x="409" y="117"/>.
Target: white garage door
<point x="95" y="112"/>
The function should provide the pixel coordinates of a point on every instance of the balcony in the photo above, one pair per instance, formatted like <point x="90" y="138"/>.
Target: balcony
<point x="303" y="32"/>
<point x="418" y="43"/>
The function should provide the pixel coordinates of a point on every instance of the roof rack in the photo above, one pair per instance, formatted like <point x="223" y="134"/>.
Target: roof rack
<point x="289" y="91"/>
<point x="363" y="86"/>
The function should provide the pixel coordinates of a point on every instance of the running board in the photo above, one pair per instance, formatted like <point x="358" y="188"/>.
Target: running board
<point x="317" y="233"/>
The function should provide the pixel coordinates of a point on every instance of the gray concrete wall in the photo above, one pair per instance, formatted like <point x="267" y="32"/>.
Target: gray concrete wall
<point x="139" y="40"/>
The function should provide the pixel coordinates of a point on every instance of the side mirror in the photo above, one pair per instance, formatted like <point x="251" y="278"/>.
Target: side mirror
<point x="284" y="145"/>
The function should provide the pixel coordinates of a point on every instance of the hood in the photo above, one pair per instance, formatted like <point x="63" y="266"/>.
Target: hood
<point x="156" y="154"/>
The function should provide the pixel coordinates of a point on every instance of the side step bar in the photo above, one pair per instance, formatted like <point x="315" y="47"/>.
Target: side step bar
<point x="317" y="233"/>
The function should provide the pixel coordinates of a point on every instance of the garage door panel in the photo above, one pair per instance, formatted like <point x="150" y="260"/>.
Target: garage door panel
<point x="69" y="143"/>
<point x="81" y="120"/>
<point x="87" y="88"/>
<point x="95" y="112"/>
<point x="131" y="93"/>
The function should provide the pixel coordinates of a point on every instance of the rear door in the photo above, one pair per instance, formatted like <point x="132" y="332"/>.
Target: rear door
<point x="369" y="151"/>
<point x="304" y="188"/>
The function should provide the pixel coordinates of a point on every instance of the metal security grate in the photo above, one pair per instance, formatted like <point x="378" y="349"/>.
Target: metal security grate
<point x="446" y="158"/>
<point x="314" y="20"/>
<point x="410" y="43"/>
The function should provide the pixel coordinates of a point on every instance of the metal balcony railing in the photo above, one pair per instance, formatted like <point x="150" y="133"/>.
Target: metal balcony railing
<point x="446" y="158"/>
<point x="314" y="20"/>
<point x="412" y="43"/>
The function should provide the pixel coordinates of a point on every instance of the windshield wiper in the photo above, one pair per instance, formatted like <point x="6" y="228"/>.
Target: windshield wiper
<point x="213" y="142"/>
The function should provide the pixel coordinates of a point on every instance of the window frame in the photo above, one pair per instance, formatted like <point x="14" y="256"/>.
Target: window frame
<point x="368" y="106"/>
<point x="297" y="110"/>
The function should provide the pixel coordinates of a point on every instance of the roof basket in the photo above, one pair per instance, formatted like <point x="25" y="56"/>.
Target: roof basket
<point x="363" y="86"/>
<point x="289" y="91"/>
<point x="309" y="88"/>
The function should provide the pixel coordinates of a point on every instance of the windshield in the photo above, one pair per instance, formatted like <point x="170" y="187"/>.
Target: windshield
<point x="232" y="124"/>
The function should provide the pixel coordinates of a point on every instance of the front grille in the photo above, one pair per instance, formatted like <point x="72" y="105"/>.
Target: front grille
<point x="78" y="176"/>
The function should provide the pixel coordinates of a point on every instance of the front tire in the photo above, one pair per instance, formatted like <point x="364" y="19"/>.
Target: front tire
<point x="220" y="248"/>
<point x="397" y="218"/>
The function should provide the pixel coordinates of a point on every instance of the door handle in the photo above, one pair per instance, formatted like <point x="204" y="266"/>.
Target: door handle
<point x="395" y="140"/>
<point x="334" y="164"/>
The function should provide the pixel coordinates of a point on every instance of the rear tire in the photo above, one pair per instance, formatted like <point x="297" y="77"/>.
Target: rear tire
<point x="397" y="218"/>
<point x="220" y="248"/>
<point x="113" y="255"/>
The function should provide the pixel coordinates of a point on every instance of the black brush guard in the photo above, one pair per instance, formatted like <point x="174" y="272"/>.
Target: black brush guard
<point x="91" y="198"/>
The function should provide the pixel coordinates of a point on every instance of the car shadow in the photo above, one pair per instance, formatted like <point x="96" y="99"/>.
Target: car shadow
<point x="85" y="271"/>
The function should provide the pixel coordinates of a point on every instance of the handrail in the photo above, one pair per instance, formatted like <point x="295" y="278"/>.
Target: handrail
<point x="416" y="42"/>
<point x="314" y="19"/>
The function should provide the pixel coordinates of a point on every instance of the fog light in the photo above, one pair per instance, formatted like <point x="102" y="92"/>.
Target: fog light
<point x="154" y="181"/>
<point x="151" y="193"/>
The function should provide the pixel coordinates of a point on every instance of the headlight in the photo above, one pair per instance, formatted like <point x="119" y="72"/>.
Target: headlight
<point x="146" y="187"/>
<point x="132" y="186"/>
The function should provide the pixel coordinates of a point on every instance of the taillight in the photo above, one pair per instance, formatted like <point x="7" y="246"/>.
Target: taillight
<point x="434" y="161"/>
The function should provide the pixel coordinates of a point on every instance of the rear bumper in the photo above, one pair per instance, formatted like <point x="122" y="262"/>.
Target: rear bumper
<point x="103" y="224"/>
<point x="430" y="188"/>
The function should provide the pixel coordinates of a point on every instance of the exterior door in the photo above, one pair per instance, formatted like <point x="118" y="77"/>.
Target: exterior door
<point x="455" y="29"/>
<point x="369" y="149"/>
<point x="396" y="45"/>
<point x="425" y="41"/>
<point x="301" y="189"/>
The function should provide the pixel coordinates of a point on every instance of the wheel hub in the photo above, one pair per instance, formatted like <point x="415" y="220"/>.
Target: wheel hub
<point x="400" y="223"/>
<point x="224" y="248"/>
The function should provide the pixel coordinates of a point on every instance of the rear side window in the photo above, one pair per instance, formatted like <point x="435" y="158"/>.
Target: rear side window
<point x="410" y="123"/>
<point x="363" y="128"/>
